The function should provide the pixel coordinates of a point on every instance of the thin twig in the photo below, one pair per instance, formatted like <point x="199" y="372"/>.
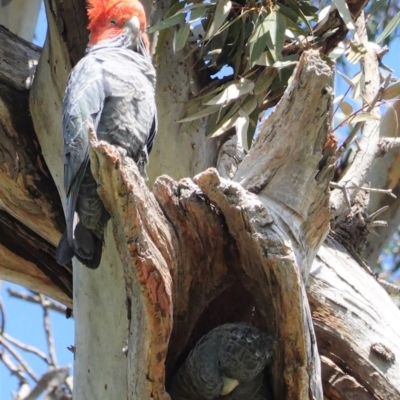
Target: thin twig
<point x="389" y="143"/>
<point x="368" y="108"/>
<point x="50" y="380"/>
<point x="2" y="317"/>
<point x="35" y="298"/>
<point x="48" y="332"/>
<point x="374" y="224"/>
<point x="390" y="288"/>
<point x="374" y="190"/>
<point x="375" y="214"/>
<point x="366" y="155"/>
<point x="26" y="347"/>
<point x="344" y="191"/>
<point x="24" y="365"/>
<point x="12" y="367"/>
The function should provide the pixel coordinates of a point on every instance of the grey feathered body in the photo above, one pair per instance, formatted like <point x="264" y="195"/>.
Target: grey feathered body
<point x="236" y="351"/>
<point x="112" y="90"/>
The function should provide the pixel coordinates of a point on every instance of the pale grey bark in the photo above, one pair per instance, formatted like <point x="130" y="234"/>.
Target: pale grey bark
<point x="161" y="251"/>
<point x="357" y="326"/>
<point x="180" y="150"/>
<point x="20" y="16"/>
<point x="385" y="175"/>
<point x="367" y="146"/>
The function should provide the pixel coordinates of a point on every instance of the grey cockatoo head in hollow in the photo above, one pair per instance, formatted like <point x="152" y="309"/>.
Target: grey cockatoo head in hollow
<point x="227" y="363"/>
<point x="111" y="91"/>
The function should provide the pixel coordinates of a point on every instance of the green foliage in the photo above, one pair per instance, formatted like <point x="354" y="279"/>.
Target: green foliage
<point x="255" y="45"/>
<point x="383" y="20"/>
<point x="250" y="38"/>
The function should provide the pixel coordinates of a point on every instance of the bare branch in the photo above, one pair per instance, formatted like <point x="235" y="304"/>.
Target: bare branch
<point x="12" y="367"/>
<point x="2" y="316"/>
<point x="50" y="381"/>
<point x="23" y="364"/>
<point x="378" y="212"/>
<point x="388" y="144"/>
<point x="48" y="332"/>
<point x="23" y="391"/>
<point x="366" y="154"/>
<point x="26" y="347"/>
<point x="391" y="288"/>
<point x="35" y="298"/>
<point x="365" y="188"/>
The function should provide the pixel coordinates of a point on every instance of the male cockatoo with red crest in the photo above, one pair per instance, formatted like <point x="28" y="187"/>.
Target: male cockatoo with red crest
<point x="112" y="91"/>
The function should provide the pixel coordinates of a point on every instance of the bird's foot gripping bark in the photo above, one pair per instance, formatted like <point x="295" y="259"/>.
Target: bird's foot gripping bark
<point x="87" y="248"/>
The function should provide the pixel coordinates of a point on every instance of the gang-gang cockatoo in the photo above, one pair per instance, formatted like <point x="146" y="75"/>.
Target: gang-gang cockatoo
<point x="111" y="91"/>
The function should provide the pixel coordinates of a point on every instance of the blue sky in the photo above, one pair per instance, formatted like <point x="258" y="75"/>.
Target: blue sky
<point x="24" y="320"/>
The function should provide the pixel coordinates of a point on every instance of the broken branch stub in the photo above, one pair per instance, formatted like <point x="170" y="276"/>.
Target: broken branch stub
<point x="291" y="163"/>
<point x="206" y="251"/>
<point x="145" y="248"/>
<point x="31" y="213"/>
<point x="211" y="236"/>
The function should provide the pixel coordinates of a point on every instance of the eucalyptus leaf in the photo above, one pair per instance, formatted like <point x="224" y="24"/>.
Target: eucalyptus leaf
<point x="363" y="117"/>
<point x="167" y="23"/>
<point x="324" y="14"/>
<point x="202" y="113"/>
<point x="232" y="92"/>
<point x="181" y="37"/>
<point x="242" y="125"/>
<point x="390" y="27"/>
<point x="228" y="119"/>
<point x="295" y="7"/>
<point x="261" y="38"/>
<point x="346" y="108"/>
<point x="345" y="14"/>
<point x="196" y="6"/>
<point x="258" y="55"/>
<point x="389" y="123"/>
<point x="263" y="83"/>
<point x="265" y="59"/>
<point x="238" y="48"/>
<point x="197" y="14"/>
<point x="277" y="33"/>
<point x="252" y="126"/>
<point x="358" y="84"/>
<point x="346" y="78"/>
<point x="221" y="13"/>
<point x="392" y="91"/>
<point x="262" y="27"/>
<point x="377" y="5"/>
<point x="248" y="106"/>
<point x="355" y="52"/>
<point x="338" y="51"/>
<point x="288" y="13"/>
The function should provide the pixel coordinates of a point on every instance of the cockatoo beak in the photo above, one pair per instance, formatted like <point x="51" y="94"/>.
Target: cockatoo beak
<point x="229" y="384"/>
<point x="138" y="41"/>
<point x="133" y="25"/>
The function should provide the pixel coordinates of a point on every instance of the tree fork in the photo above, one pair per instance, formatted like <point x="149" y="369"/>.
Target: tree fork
<point x="183" y="248"/>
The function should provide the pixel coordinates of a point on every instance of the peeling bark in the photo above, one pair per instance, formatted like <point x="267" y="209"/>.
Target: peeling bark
<point x="31" y="215"/>
<point x="191" y="247"/>
<point x="357" y="327"/>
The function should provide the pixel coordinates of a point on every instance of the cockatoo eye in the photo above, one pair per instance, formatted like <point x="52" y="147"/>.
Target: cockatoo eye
<point x="113" y="22"/>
